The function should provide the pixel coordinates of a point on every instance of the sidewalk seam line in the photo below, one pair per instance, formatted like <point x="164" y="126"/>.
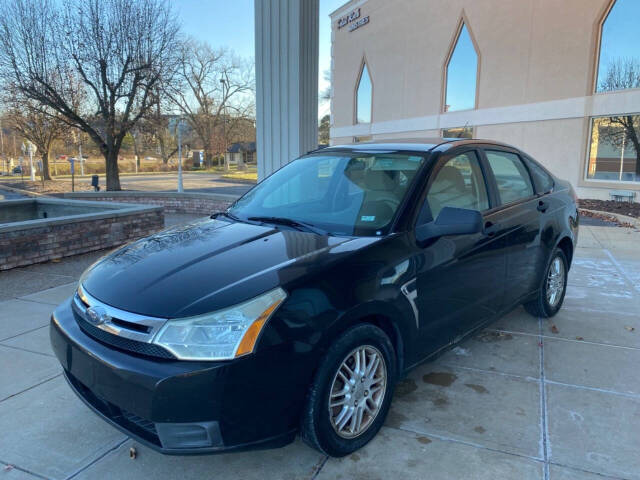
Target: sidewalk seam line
<point x="114" y="446"/>
<point x="322" y="464"/>
<point x="23" y="333"/>
<point x="622" y="271"/>
<point x="564" y="339"/>
<point x="445" y="438"/>
<point x="30" y="388"/>
<point x="16" y="467"/>
<point x="546" y="381"/>
<point x="50" y="355"/>
<point x="543" y="407"/>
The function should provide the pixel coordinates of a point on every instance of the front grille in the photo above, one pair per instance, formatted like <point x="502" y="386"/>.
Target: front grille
<point x="139" y="426"/>
<point x="123" y="343"/>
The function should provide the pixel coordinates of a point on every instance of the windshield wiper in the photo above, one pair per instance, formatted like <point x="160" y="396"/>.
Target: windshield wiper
<point x="297" y="224"/>
<point x="226" y="214"/>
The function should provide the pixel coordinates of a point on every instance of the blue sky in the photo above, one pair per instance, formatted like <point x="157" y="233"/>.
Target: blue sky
<point x="461" y="74"/>
<point x="619" y="34"/>
<point x="231" y="24"/>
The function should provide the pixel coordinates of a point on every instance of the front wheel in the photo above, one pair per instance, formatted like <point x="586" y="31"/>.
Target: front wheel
<point x="553" y="288"/>
<point x="351" y="393"/>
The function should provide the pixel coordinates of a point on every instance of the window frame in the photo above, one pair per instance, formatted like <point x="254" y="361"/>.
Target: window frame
<point x="364" y="63"/>
<point x="604" y="183"/>
<point x="463" y="21"/>
<point x="473" y="131"/>
<point x="597" y="51"/>
<point x="531" y="161"/>
<point x="439" y="163"/>
<point x="494" y="183"/>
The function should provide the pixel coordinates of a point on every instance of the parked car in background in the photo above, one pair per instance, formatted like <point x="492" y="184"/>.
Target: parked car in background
<point x="17" y="170"/>
<point x="299" y="308"/>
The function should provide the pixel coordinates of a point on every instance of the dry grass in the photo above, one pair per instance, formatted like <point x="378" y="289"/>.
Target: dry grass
<point x="50" y="186"/>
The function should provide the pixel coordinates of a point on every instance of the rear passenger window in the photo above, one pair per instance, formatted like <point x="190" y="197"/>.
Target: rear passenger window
<point x="543" y="181"/>
<point x="512" y="177"/>
<point x="459" y="183"/>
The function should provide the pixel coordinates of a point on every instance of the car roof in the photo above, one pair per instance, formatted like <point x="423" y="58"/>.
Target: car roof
<point x="411" y="144"/>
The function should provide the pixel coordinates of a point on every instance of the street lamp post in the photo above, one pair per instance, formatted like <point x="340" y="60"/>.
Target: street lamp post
<point x="2" y="147"/>
<point x="180" y="189"/>
<point x="80" y="152"/>
<point x="33" y="173"/>
<point x="224" y="124"/>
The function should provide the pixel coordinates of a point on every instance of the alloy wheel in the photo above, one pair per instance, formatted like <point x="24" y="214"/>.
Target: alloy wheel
<point x="555" y="282"/>
<point x="357" y="391"/>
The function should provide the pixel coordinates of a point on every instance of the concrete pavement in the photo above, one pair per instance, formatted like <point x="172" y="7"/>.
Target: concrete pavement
<point x="524" y="399"/>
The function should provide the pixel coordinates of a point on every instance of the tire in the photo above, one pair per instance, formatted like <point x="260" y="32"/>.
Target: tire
<point x="321" y="425"/>
<point x="542" y="307"/>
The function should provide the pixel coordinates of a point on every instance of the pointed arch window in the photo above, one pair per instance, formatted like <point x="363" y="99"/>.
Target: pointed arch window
<point x="619" y="56"/>
<point x="364" y="96"/>
<point x="461" y="72"/>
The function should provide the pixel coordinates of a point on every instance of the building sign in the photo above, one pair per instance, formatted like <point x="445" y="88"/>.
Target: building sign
<point x="353" y="19"/>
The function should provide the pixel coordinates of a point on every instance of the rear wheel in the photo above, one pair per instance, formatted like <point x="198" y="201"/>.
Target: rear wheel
<point x="351" y="393"/>
<point x="553" y="288"/>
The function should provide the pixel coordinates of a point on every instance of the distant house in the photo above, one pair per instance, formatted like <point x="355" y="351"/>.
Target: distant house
<point x="240" y="153"/>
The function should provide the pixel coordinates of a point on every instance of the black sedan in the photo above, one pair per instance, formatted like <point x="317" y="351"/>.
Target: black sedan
<point x="299" y="307"/>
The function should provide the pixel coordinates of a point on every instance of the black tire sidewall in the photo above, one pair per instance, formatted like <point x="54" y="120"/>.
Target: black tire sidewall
<point x="326" y="437"/>
<point x="548" y="309"/>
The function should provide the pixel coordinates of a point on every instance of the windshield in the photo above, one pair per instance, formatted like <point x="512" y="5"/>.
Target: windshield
<point x="342" y="194"/>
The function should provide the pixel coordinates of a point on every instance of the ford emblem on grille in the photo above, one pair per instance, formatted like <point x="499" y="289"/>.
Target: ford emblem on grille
<point x="97" y="315"/>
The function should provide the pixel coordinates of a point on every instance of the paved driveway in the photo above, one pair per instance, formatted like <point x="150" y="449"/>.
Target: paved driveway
<point x="523" y="399"/>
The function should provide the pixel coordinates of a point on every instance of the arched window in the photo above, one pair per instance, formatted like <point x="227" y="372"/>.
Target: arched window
<point x="619" y="60"/>
<point x="364" y="96"/>
<point x="461" y="73"/>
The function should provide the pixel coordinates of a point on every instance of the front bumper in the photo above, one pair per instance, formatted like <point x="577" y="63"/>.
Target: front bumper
<point x="180" y="407"/>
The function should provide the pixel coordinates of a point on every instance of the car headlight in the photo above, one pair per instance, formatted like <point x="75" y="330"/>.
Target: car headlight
<point x="220" y="335"/>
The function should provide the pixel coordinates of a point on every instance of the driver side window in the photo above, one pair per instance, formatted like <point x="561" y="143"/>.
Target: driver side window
<point x="458" y="183"/>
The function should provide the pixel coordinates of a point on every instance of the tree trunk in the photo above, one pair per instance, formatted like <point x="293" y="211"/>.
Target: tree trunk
<point x="45" y="166"/>
<point x="136" y="152"/>
<point x="633" y="136"/>
<point x="163" y="150"/>
<point x="113" y="176"/>
<point x="208" y="158"/>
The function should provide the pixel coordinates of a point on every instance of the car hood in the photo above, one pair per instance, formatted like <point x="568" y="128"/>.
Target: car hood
<point x="208" y="265"/>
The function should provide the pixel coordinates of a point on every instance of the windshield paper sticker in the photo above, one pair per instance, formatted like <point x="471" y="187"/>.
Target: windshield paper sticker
<point x="368" y="218"/>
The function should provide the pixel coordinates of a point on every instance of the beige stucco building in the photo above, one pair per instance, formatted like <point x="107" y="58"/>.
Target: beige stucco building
<point x="538" y="80"/>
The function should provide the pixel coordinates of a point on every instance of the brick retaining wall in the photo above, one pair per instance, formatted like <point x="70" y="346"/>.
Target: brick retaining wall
<point x="196" y="203"/>
<point x="47" y="242"/>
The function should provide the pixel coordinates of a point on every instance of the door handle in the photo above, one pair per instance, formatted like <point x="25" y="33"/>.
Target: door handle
<point x="542" y="206"/>
<point x="490" y="228"/>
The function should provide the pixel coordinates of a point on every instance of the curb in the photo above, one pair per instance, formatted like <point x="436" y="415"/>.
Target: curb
<point x="622" y="218"/>
<point x="28" y="193"/>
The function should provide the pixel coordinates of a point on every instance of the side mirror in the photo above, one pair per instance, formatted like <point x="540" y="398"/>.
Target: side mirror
<point x="450" y="221"/>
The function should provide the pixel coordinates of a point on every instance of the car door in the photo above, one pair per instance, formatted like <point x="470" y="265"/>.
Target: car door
<point x="518" y="217"/>
<point x="460" y="278"/>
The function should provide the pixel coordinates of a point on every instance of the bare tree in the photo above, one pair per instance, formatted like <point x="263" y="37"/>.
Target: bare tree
<point x="121" y="51"/>
<point x="324" y="129"/>
<point x="325" y="95"/>
<point x="214" y="87"/>
<point x="622" y="129"/>
<point x="162" y="131"/>
<point x="34" y="122"/>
